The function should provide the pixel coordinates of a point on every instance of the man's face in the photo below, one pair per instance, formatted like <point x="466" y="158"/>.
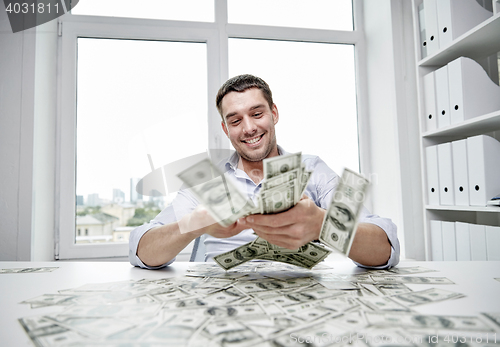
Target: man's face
<point x="249" y="124"/>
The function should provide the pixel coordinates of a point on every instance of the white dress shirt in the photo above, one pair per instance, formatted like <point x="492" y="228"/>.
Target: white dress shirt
<point x="320" y="188"/>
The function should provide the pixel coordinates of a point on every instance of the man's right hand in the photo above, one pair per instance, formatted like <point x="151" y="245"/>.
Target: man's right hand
<point x="200" y="222"/>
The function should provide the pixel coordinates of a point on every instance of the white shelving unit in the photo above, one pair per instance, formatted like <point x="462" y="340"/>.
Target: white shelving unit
<point x="478" y="43"/>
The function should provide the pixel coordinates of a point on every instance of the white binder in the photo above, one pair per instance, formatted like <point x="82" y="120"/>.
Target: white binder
<point x="493" y="242"/>
<point x="462" y="241"/>
<point x="483" y="156"/>
<point x="477" y="242"/>
<point x="436" y="240"/>
<point x="455" y="20"/>
<point x="449" y="241"/>
<point x="431" y="26"/>
<point x="442" y="97"/>
<point x="471" y="91"/>
<point x="431" y="156"/>
<point x="421" y="24"/>
<point x="445" y="169"/>
<point x="460" y="172"/>
<point x="430" y="102"/>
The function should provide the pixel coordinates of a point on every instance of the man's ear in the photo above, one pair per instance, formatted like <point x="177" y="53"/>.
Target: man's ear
<point x="224" y="127"/>
<point x="276" y="115"/>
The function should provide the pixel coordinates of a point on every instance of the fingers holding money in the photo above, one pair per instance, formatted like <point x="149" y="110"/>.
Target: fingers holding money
<point x="292" y="228"/>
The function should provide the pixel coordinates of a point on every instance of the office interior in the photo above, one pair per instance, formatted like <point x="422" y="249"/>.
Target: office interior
<point x="38" y="125"/>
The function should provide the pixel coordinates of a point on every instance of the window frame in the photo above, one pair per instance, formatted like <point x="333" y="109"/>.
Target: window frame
<point x="215" y="35"/>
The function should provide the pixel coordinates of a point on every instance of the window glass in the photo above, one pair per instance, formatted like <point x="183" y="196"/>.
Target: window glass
<point x="135" y="114"/>
<point x="190" y="10"/>
<point x="314" y="89"/>
<point x="314" y="14"/>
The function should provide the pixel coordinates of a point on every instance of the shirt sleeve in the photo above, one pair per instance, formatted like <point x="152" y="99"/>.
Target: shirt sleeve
<point x="320" y="189"/>
<point x="183" y="204"/>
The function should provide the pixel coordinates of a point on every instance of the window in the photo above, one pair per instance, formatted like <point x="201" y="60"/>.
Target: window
<point x="138" y="89"/>
<point x="314" y="88"/>
<point x="190" y="10"/>
<point x="314" y="14"/>
<point x="127" y="122"/>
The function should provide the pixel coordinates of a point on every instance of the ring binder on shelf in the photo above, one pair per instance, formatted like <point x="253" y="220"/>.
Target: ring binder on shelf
<point x="483" y="156"/>
<point x="456" y="17"/>
<point x="471" y="91"/>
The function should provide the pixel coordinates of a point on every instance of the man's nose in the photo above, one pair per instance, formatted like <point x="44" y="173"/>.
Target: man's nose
<point x="249" y="126"/>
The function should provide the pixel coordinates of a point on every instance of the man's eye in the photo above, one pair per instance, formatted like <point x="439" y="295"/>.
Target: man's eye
<point x="234" y="122"/>
<point x="258" y="114"/>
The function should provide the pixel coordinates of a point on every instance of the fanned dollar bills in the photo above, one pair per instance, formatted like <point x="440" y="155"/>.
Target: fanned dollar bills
<point x="306" y="256"/>
<point x="285" y="180"/>
<point x="339" y="225"/>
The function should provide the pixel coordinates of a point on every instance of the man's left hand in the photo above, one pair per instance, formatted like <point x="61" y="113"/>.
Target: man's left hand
<point x="290" y="229"/>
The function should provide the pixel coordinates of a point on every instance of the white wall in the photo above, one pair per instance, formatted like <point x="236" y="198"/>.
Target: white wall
<point x="393" y="120"/>
<point x="27" y="149"/>
<point x="17" y="57"/>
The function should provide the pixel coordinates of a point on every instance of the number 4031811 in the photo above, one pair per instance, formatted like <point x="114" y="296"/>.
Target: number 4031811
<point x="32" y="8"/>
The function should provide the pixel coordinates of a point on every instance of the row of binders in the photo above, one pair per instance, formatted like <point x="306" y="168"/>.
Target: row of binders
<point x="463" y="172"/>
<point x="442" y="21"/>
<point x="457" y="92"/>
<point x="452" y="241"/>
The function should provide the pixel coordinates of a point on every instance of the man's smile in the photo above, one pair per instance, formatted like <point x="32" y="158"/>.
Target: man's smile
<point x="253" y="140"/>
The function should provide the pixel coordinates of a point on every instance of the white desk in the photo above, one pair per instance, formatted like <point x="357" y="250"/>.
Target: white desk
<point x="474" y="279"/>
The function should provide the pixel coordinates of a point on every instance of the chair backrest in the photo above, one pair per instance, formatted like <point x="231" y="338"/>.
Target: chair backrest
<point x="198" y="252"/>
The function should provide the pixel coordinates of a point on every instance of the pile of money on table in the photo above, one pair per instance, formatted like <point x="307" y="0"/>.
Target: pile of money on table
<point x="263" y="304"/>
<point x="285" y="180"/>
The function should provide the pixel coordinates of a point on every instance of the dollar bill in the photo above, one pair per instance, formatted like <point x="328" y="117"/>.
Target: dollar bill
<point x="339" y="226"/>
<point x="279" y="198"/>
<point x="460" y="323"/>
<point x="281" y="164"/>
<point x="426" y="296"/>
<point x="410" y="279"/>
<point x="27" y="270"/>
<point x="409" y="270"/>
<point x="216" y="192"/>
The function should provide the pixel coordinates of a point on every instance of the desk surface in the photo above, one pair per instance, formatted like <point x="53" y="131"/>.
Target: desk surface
<point x="474" y="279"/>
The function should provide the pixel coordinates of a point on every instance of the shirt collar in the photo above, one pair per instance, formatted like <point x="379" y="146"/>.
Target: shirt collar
<point x="232" y="161"/>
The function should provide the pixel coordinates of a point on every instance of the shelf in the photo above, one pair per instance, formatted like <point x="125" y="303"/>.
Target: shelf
<point x="470" y="127"/>
<point x="484" y="35"/>
<point x="463" y="208"/>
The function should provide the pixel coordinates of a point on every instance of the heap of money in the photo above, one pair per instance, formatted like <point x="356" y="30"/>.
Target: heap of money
<point x="285" y="180"/>
<point x="306" y="256"/>
<point x="261" y="304"/>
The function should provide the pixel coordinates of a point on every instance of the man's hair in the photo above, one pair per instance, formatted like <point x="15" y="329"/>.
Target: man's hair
<point x="240" y="84"/>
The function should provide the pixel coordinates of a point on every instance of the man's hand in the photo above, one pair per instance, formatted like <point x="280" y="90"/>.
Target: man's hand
<point x="200" y="222"/>
<point x="290" y="229"/>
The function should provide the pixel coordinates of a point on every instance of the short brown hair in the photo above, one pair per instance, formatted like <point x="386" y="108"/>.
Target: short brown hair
<point x="240" y="84"/>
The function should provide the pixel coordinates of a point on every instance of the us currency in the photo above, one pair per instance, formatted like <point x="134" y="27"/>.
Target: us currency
<point x="460" y="323"/>
<point x="426" y="296"/>
<point x="285" y="180"/>
<point x="27" y="270"/>
<point x="339" y="226"/>
<point x="306" y="256"/>
<point x="281" y="164"/>
<point x="216" y="192"/>
<point x="410" y="279"/>
<point x="265" y="306"/>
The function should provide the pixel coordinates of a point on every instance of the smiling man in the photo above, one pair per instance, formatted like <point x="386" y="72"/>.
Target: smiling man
<point x="249" y="117"/>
